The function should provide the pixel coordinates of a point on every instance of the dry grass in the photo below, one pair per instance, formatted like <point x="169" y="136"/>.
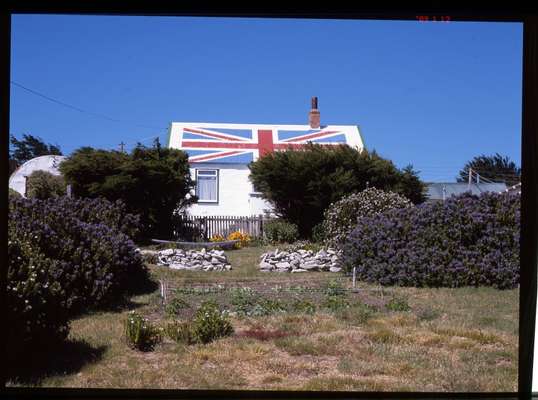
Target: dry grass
<point x="451" y="340"/>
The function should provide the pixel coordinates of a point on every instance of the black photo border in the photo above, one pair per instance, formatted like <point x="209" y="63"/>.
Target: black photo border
<point x="529" y="166"/>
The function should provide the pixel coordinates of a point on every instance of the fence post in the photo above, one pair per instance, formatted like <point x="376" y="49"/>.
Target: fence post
<point x="354" y="276"/>
<point x="260" y="225"/>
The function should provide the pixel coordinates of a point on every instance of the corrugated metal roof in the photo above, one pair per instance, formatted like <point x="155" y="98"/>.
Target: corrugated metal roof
<point x="441" y="191"/>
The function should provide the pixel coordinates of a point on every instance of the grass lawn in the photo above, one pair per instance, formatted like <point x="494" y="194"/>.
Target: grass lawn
<point x="449" y="340"/>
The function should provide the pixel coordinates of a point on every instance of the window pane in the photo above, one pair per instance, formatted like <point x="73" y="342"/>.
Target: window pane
<point x="207" y="188"/>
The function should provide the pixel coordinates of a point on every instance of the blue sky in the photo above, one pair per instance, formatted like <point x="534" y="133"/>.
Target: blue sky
<point x="431" y="94"/>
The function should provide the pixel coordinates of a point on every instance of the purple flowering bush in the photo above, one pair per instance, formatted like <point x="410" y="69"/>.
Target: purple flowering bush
<point x="466" y="240"/>
<point x="102" y="211"/>
<point x="95" y="264"/>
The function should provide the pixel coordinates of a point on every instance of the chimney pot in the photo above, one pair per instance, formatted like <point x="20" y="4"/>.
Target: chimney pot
<point x="313" y="116"/>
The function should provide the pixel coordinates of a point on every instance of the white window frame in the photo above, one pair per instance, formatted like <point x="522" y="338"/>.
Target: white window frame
<point x="216" y="175"/>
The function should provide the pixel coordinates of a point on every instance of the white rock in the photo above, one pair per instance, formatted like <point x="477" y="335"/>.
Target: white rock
<point x="298" y="270"/>
<point x="335" y="269"/>
<point x="283" y="265"/>
<point x="167" y="252"/>
<point x="227" y="267"/>
<point x="266" y="266"/>
<point x="178" y="266"/>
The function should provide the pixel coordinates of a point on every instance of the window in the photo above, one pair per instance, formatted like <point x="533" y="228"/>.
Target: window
<point x="207" y="185"/>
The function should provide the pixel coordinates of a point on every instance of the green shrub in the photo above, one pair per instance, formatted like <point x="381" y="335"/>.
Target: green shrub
<point x="180" y="332"/>
<point x="140" y="333"/>
<point x="210" y="323"/>
<point x="341" y="217"/>
<point x="135" y="178"/>
<point x="302" y="184"/>
<point x="318" y="233"/>
<point x="43" y="184"/>
<point x="281" y="231"/>
<point x="37" y="311"/>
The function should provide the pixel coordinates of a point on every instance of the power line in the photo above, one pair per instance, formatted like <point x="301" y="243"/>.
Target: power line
<point x="80" y="109"/>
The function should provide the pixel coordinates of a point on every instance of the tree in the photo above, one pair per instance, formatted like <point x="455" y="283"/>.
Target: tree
<point x="302" y="184"/>
<point x="152" y="182"/>
<point x="495" y="168"/>
<point x="30" y="147"/>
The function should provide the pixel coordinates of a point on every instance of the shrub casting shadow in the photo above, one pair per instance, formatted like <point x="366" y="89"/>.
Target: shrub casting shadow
<point x="62" y="359"/>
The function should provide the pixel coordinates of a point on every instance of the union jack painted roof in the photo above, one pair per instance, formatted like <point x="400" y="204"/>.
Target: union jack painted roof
<point x="243" y="143"/>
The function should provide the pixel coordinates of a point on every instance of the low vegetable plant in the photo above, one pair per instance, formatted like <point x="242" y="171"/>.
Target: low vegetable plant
<point x="210" y="323"/>
<point x="140" y="333"/>
<point x="180" y="332"/>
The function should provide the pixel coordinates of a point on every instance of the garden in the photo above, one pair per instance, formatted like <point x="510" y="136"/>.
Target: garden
<point x="418" y="296"/>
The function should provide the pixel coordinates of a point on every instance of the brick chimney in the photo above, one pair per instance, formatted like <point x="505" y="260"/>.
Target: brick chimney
<point x="313" y="115"/>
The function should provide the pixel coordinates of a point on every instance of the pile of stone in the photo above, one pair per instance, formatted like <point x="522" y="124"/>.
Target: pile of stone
<point x="194" y="260"/>
<point x="300" y="261"/>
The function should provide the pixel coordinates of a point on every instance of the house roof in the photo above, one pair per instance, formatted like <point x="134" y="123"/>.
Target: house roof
<point x="441" y="190"/>
<point x="243" y="143"/>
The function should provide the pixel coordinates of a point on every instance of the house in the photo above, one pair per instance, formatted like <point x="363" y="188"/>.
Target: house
<point x="219" y="155"/>
<point x="442" y="191"/>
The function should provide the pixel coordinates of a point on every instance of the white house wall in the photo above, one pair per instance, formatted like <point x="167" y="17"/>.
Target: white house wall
<point x="234" y="188"/>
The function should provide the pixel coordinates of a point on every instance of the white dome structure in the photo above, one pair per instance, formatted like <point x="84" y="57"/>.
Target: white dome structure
<point x="17" y="180"/>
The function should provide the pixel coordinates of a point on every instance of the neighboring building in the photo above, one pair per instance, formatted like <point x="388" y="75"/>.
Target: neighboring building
<point x="17" y="180"/>
<point x="219" y="155"/>
<point x="442" y="191"/>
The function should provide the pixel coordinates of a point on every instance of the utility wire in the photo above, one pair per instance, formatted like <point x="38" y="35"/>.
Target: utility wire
<point x="80" y="109"/>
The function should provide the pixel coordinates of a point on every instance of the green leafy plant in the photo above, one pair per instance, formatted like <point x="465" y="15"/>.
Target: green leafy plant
<point x="242" y="300"/>
<point x="398" y="303"/>
<point x="174" y="306"/>
<point x="210" y="323"/>
<point x="280" y="231"/>
<point x="265" y="306"/>
<point x="140" y="333"/>
<point x="303" y="306"/>
<point x="334" y="288"/>
<point x="180" y="332"/>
